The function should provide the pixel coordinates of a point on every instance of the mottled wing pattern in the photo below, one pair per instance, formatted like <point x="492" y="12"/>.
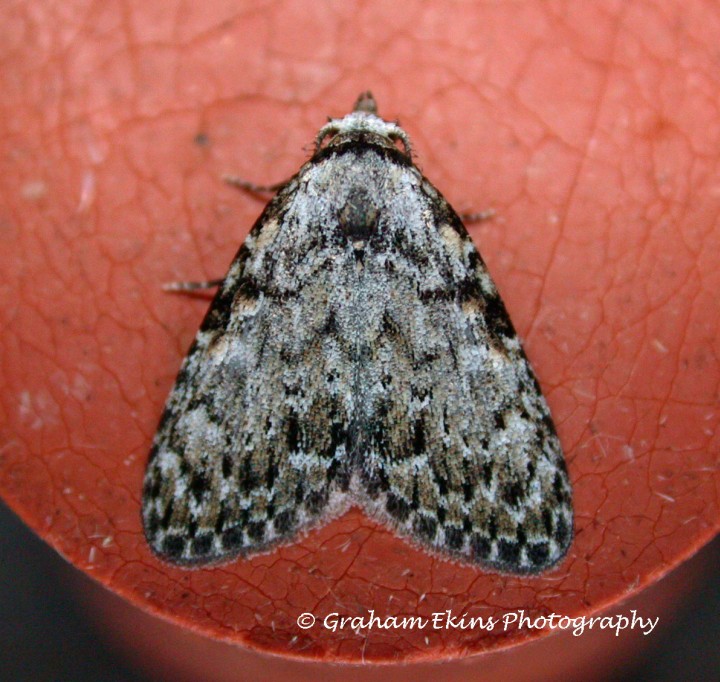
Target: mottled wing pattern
<point x="358" y="353"/>
<point x="462" y="455"/>
<point x="251" y="446"/>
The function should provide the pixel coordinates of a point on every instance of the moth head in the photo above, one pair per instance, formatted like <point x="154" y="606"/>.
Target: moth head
<point x="363" y="121"/>
<point x="366" y="102"/>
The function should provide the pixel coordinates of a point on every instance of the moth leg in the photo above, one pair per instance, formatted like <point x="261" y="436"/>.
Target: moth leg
<point x="241" y="184"/>
<point x="192" y="286"/>
<point x="245" y="185"/>
<point x="478" y="216"/>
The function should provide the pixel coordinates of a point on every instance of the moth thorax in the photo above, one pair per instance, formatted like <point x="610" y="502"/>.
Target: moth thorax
<point x="358" y="217"/>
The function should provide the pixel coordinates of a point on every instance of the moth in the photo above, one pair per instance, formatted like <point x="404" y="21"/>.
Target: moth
<point x="358" y="353"/>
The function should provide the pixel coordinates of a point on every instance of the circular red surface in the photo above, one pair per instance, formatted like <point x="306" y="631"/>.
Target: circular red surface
<point x="592" y="129"/>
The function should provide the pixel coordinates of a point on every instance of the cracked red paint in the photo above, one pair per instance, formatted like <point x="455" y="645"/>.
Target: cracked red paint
<point x="591" y="129"/>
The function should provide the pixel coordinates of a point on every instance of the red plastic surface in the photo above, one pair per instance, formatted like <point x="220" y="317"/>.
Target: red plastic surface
<point x="593" y="129"/>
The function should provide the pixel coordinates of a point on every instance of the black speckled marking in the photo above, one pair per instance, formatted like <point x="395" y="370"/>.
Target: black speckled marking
<point x="358" y="353"/>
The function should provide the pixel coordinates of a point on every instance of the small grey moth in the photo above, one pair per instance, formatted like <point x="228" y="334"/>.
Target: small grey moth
<point x="358" y="353"/>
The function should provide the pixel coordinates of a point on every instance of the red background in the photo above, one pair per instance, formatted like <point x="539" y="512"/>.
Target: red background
<point x="592" y="129"/>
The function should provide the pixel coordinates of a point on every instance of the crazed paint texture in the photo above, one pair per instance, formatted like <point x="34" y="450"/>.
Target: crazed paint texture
<point x="592" y="132"/>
